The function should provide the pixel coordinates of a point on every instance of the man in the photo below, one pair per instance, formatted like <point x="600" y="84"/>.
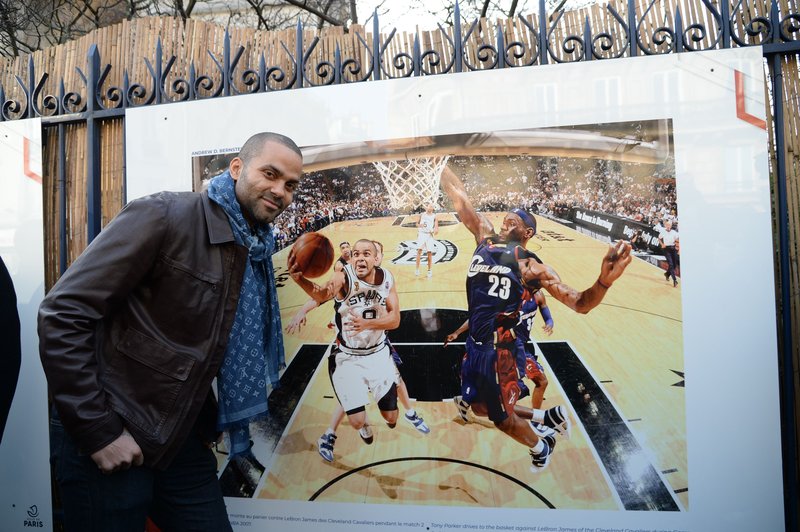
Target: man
<point x="527" y="362"/>
<point x="669" y="241"/>
<point x="428" y="227"/>
<point x="500" y="270"/>
<point x="178" y="289"/>
<point x="326" y="442"/>
<point x="366" y="306"/>
<point x="344" y="256"/>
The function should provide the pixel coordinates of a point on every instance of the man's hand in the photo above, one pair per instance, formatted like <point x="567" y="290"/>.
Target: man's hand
<point x="450" y="338"/>
<point x="294" y="271"/>
<point x="297" y="323"/>
<point x="614" y="263"/>
<point x="356" y="323"/>
<point x="119" y="455"/>
<point x="548" y="329"/>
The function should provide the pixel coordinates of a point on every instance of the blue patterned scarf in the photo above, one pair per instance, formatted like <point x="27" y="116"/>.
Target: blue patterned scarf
<point x="254" y="354"/>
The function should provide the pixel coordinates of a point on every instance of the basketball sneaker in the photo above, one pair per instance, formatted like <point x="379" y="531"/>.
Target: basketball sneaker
<point x="325" y="446"/>
<point x="416" y="272"/>
<point x="542" y="431"/>
<point x="418" y="423"/>
<point x="539" y="461"/>
<point x="430" y="274"/>
<point x="463" y="408"/>
<point x="557" y="419"/>
<point x="366" y="434"/>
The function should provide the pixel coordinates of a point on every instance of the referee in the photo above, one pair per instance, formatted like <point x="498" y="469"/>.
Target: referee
<point x="668" y="238"/>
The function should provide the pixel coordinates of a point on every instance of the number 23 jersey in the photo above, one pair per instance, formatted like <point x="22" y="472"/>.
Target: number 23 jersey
<point x="494" y="288"/>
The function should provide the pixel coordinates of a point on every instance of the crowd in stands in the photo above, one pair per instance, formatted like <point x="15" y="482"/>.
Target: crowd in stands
<point x="539" y="186"/>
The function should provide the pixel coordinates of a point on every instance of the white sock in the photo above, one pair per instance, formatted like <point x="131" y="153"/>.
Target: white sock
<point x="538" y="415"/>
<point x="538" y="448"/>
<point x="411" y="413"/>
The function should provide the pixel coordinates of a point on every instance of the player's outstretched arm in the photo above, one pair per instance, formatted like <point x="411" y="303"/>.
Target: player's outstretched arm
<point x="318" y="293"/>
<point x="455" y="334"/>
<point x="544" y="310"/>
<point x="454" y="188"/>
<point x="299" y="319"/>
<point x="614" y="263"/>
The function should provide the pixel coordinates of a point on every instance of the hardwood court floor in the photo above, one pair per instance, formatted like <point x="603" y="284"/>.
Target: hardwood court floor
<point x="630" y="347"/>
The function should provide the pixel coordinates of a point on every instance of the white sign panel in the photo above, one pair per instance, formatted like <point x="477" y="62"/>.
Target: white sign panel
<point x="601" y="150"/>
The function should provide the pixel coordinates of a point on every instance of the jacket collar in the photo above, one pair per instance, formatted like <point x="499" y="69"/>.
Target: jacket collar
<point x="219" y="228"/>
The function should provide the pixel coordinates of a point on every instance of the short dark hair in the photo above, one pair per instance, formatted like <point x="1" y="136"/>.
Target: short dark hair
<point x="343" y="243"/>
<point x="252" y="146"/>
<point x="367" y="241"/>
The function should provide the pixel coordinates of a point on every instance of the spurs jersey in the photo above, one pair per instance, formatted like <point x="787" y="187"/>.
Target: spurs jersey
<point x="494" y="288"/>
<point x="366" y="300"/>
<point x="426" y="224"/>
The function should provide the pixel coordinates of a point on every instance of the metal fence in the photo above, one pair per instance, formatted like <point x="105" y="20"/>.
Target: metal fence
<point x="82" y="106"/>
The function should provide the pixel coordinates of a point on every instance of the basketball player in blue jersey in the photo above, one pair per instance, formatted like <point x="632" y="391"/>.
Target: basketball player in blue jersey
<point x="527" y="364"/>
<point x="500" y="270"/>
<point x="366" y="306"/>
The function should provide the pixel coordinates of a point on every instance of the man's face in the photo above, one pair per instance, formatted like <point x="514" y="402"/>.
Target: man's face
<point x="668" y="225"/>
<point x="365" y="257"/>
<point x="265" y="185"/>
<point x="345" y="250"/>
<point x="514" y="229"/>
<point x="429" y="209"/>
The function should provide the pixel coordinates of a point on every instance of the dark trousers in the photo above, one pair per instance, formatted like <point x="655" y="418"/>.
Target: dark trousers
<point x="671" y="254"/>
<point x="186" y="496"/>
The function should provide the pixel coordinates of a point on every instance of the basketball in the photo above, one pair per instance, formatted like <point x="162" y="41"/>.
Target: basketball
<point x="313" y="254"/>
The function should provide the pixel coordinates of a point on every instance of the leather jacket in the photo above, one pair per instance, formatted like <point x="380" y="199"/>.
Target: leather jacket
<point x="134" y="332"/>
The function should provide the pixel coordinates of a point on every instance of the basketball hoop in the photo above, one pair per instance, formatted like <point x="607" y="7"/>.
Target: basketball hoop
<point x="412" y="182"/>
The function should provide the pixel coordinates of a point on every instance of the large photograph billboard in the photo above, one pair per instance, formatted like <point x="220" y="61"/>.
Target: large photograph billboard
<point x="669" y="176"/>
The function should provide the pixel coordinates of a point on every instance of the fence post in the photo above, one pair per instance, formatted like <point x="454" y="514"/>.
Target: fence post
<point x="30" y="111"/>
<point x="587" y="40"/>
<point x="542" y="33"/>
<point x="226" y="64"/>
<point x="93" y="189"/>
<point x="501" y="48"/>
<point x="725" y="14"/>
<point x="376" y="47"/>
<point x="416" y="56"/>
<point x="159" y="82"/>
<point x="298" y="54"/>
<point x="787" y="361"/>
<point x="633" y="31"/>
<point x="458" y="44"/>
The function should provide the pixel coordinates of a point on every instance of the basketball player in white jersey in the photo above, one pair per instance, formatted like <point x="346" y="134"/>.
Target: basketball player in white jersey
<point x="366" y="306"/>
<point x="428" y="226"/>
<point x="326" y="442"/>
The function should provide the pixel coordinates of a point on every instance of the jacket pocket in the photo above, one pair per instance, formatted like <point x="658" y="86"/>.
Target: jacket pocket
<point x="144" y="379"/>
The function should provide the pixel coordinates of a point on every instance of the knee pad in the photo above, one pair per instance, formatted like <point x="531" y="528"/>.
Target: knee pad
<point x="389" y="401"/>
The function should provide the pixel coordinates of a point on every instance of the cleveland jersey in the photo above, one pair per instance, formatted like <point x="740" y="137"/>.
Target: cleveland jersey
<point x="527" y="312"/>
<point x="365" y="300"/>
<point x="494" y="288"/>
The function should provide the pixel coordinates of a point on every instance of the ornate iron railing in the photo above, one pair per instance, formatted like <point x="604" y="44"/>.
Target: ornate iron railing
<point x="543" y="39"/>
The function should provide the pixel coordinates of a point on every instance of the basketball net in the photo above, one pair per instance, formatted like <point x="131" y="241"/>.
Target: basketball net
<point x="412" y="182"/>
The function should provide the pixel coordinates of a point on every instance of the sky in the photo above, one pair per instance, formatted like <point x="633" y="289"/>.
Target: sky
<point x="406" y="15"/>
